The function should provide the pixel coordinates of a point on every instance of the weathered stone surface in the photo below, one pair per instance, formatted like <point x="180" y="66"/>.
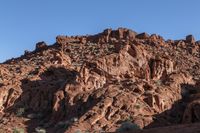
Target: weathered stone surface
<point x="190" y="39"/>
<point x="40" y="46"/>
<point x="142" y="36"/>
<point x="94" y="83"/>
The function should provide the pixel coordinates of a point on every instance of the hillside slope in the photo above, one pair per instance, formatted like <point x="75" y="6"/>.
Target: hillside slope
<point x="99" y="82"/>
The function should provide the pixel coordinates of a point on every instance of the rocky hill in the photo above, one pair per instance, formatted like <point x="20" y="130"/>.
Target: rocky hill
<point x="114" y="81"/>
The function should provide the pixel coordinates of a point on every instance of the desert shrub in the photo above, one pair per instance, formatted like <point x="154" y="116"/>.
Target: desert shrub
<point x="127" y="126"/>
<point x="20" y="111"/>
<point x="80" y="131"/>
<point x="137" y="106"/>
<point x="158" y="82"/>
<point x="40" y="130"/>
<point x="18" y="130"/>
<point x="63" y="125"/>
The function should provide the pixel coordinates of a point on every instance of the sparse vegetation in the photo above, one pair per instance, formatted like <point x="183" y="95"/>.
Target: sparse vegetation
<point x="20" y="112"/>
<point x="40" y="130"/>
<point x="102" y="92"/>
<point x="86" y="131"/>
<point x="63" y="125"/>
<point x="127" y="126"/>
<point x="34" y="116"/>
<point x="129" y="118"/>
<point x="18" y="130"/>
<point x="158" y="82"/>
<point x="137" y="106"/>
<point x="78" y="131"/>
<point x="66" y="124"/>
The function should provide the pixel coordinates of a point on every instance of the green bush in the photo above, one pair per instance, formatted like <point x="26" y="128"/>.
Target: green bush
<point x="18" y="130"/>
<point x="158" y="82"/>
<point x="20" y="111"/>
<point x="127" y="126"/>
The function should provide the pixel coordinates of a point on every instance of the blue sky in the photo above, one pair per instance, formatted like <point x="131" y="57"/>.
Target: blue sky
<point x="24" y="23"/>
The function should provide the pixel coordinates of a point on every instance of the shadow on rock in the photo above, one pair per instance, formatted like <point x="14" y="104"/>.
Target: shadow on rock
<point x="176" y="114"/>
<point x="45" y="102"/>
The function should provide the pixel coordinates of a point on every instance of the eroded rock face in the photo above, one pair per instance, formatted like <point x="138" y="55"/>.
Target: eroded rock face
<point x="109" y="35"/>
<point x="40" y="46"/>
<point x="190" y="39"/>
<point x="143" y="36"/>
<point x="161" y="67"/>
<point x="94" y="83"/>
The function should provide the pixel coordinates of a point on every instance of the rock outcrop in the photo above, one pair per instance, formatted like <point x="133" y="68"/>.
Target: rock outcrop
<point x="98" y="82"/>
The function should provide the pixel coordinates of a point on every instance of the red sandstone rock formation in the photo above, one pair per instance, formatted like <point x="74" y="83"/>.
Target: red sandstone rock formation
<point x="95" y="83"/>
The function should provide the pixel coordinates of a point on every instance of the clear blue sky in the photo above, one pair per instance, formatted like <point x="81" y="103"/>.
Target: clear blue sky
<point x="25" y="22"/>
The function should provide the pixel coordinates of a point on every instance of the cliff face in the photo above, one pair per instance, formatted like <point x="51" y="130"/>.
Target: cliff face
<point x="96" y="83"/>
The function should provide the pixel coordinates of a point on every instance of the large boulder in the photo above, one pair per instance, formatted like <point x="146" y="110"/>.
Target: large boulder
<point x="40" y="46"/>
<point x="190" y="39"/>
<point x="142" y="36"/>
